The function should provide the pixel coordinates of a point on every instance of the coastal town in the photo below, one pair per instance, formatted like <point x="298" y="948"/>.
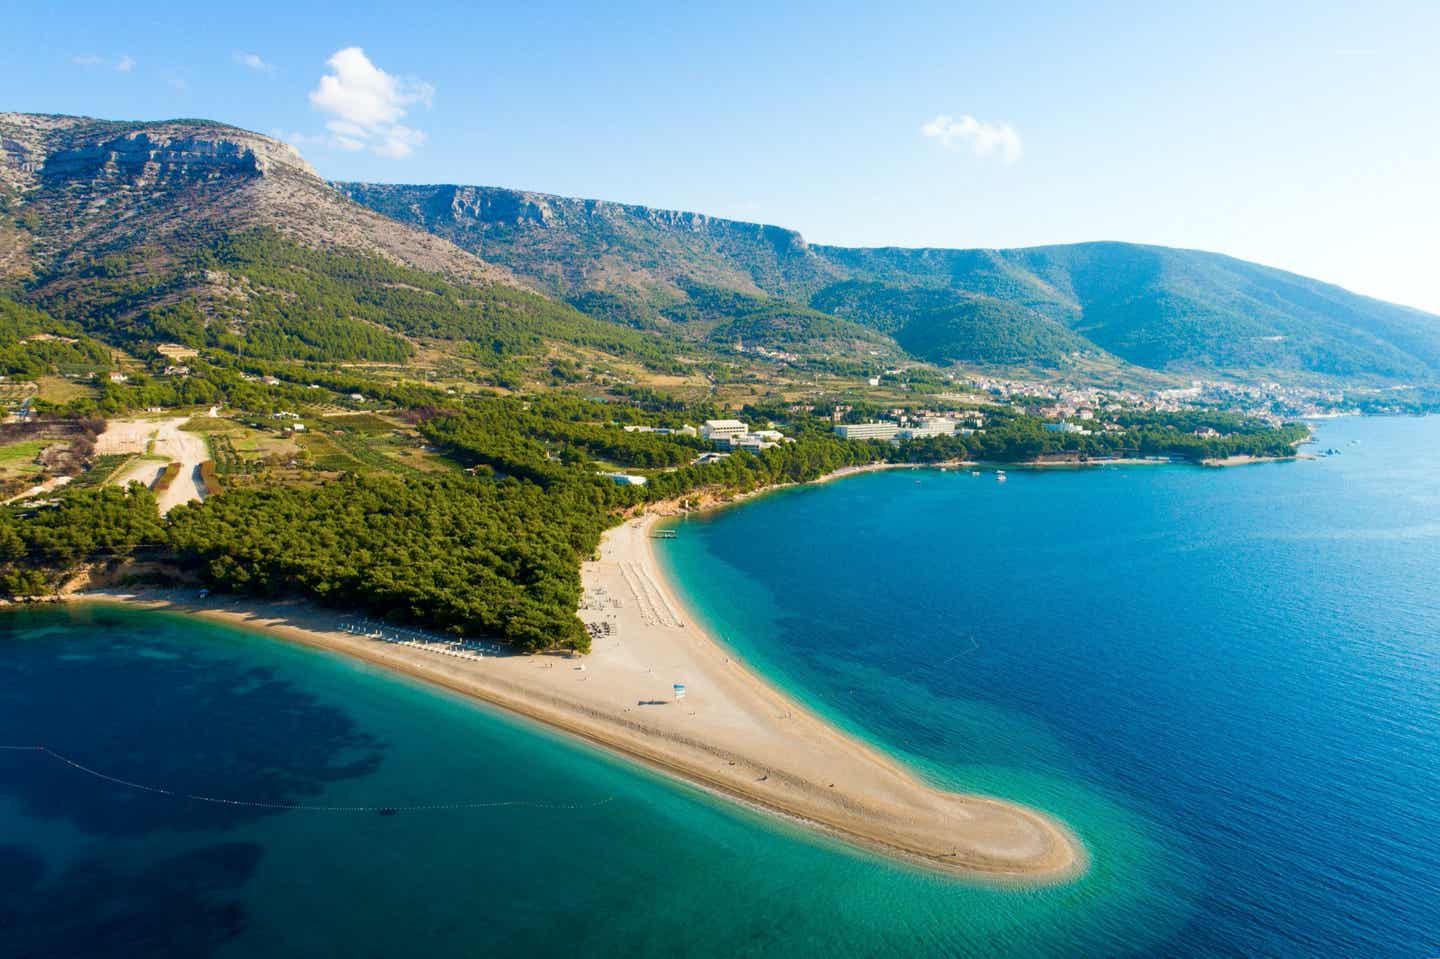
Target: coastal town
<point x="317" y="429"/>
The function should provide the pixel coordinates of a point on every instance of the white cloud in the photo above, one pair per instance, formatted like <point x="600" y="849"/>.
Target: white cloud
<point x="254" y="62"/>
<point x="984" y="139"/>
<point x="399" y="141"/>
<point x="367" y="104"/>
<point x="123" y="64"/>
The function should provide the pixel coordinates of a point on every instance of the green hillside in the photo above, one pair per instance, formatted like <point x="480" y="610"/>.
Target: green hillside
<point x="203" y="235"/>
<point x="1164" y="308"/>
<point x="948" y="326"/>
<point x="1157" y="308"/>
<point x="260" y="295"/>
<point x="398" y="426"/>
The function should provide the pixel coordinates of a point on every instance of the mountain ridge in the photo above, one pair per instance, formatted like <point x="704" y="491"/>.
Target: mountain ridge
<point x="1161" y="308"/>
<point x="85" y="203"/>
<point x="470" y="215"/>
<point x="215" y="237"/>
<point x="101" y="185"/>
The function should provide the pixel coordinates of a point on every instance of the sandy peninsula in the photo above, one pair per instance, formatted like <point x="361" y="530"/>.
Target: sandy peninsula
<point x="1242" y="460"/>
<point x="733" y="732"/>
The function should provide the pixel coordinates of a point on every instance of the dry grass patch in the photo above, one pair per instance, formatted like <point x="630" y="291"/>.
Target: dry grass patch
<point x="61" y="389"/>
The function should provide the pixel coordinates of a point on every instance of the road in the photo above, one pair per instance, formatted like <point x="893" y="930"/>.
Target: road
<point x="171" y="442"/>
<point x="50" y="485"/>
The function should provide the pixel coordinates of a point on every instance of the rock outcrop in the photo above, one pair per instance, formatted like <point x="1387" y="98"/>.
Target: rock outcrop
<point x="602" y="245"/>
<point x="98" y="186"/>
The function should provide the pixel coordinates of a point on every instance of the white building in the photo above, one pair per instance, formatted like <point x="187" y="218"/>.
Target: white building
<point x="929" y="426"/>
<point x="723" y="429"/>
<point x="880" y="430"/>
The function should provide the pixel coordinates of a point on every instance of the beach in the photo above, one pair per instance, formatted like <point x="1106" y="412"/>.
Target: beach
<point x="732" y="732"/>
<point x="1250" y="460"/>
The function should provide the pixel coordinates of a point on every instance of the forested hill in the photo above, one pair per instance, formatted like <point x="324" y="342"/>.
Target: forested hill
<point x="1162" y="308"/>
<point x="1154" y="307"/>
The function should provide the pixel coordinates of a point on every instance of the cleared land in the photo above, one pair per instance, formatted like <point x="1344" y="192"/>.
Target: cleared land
<point x="163" y="439"/>
<point x="20" y="457"/>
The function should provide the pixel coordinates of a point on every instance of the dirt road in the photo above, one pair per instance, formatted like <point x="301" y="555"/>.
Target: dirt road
<point x="169" y="441"/>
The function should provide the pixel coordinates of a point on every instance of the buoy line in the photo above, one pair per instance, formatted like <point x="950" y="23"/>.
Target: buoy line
<point x="257" y="804"/>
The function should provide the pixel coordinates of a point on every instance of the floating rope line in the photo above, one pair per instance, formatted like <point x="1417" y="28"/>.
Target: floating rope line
<point x="256" y="804"/>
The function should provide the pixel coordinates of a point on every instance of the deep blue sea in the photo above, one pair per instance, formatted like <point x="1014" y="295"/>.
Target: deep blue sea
<point x="1226" y="681"/>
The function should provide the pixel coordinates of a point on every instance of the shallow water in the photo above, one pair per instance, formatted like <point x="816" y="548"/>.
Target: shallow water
<point x="1244" y="663"/>
<point x="1225" y="681"/>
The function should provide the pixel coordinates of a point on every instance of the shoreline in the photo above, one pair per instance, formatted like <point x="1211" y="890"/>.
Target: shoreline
<point x="701" y="501"/>
<point x="734" y="734"/>
<point x="1030" y="849"/>
<point x="704" y="501"/>
<point x="809" y="770"/>
<point x="1245" y="460"/>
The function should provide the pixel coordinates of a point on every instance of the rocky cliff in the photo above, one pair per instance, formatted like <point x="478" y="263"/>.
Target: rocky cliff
<point x="80" y="188"/>
<point x="74" y="189"/>
<point x="570" y="246"/>
<point x="1163" y="309"/>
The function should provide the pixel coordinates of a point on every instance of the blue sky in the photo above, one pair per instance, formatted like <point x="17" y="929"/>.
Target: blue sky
<point x="1302" y="135"/>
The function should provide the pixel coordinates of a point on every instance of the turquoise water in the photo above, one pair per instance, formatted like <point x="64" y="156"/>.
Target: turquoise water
<point x="1225" y="681"/>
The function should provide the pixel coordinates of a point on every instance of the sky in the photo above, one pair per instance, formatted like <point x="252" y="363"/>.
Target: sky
<point x="1302" y="135"/>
